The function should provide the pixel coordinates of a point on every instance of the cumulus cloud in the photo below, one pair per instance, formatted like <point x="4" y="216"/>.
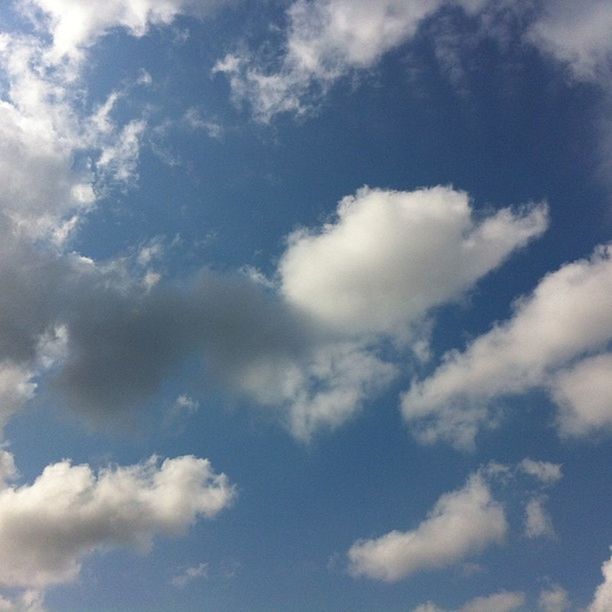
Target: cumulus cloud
<point x="554" y="599"/>
<point x="391" y="256"/>
<point x="602" y="600"/>
<point x="48" y="527"/>
<point x="461" y="524"/>
<point x="568" y="316"/>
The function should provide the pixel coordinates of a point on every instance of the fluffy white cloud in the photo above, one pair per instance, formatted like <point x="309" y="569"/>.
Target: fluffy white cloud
<point x="568" y="315"/>
<point x="602" y="602"/>
<point x="554" y="599"/>
<point x="68" y="512"/>
<point x="584" y="395"/>
<point x="77" y="24"/>
<point x="390" y="256"/>
<point x="462" y="523"/>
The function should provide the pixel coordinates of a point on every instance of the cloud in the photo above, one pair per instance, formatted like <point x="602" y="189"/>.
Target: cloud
<point x="309" y="349"/>
<point x="428" y="606"/>
<point x="537" y="520"/>
<point x="180" y="581"/>
<point x="498" y="602"/>
<point x="576" y="34"/>
<point x="462" y="523"/>
<point x="602" y="602"/>
<point x="56" y="159"/>
<point x="48" y="527"/>
<point x="584" y="395"/>
<point x="554" y="599"/>
<point x="325" y="40"/>
<point x="568" y="316"/>
<point x="391" y="256"/>
<point x="544" y="471"/>
<point x="75" y="25"/>
<point x="28" y="601"/>
<point x="16" y="388"/>
<point x="504" y="601"/>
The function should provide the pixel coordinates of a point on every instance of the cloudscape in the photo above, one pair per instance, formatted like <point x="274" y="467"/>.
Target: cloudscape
<point x="305" y="305"/>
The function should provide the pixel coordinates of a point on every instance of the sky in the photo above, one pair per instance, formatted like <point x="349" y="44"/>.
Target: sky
<point x="305" y="305"/>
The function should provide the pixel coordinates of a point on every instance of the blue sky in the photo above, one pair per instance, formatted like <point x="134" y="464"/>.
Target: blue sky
<point x="305" y="305"/>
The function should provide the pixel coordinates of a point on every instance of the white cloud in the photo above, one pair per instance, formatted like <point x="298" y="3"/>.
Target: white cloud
<point x="577" y="34"/>
<point x="503" y="601"/>
<point x="428" y="606"/>
<point x="120" y="159"/>
<point x="554" y="599"/>
<point x="584" y="395"/>
<point x="195" y="121"/>
<point x="568" y="315"/>
<point x="602" y="601"/>
<point x="544" y="471"/>
<point x="76" y="24"/>
<point x="307" y="347"/>
<point x="390" y="256"/>
<point x="181" y="580"/>
<point x="462" y="523"/>
<point x="498" y="602"/>
<point x="55" y="160"/>
<point x="537" y="520"/>
<point x="325" y="40"/>
<point x="28" y="601"/>
<point x="16" y="388"/>
<point x="68" y="512"/>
